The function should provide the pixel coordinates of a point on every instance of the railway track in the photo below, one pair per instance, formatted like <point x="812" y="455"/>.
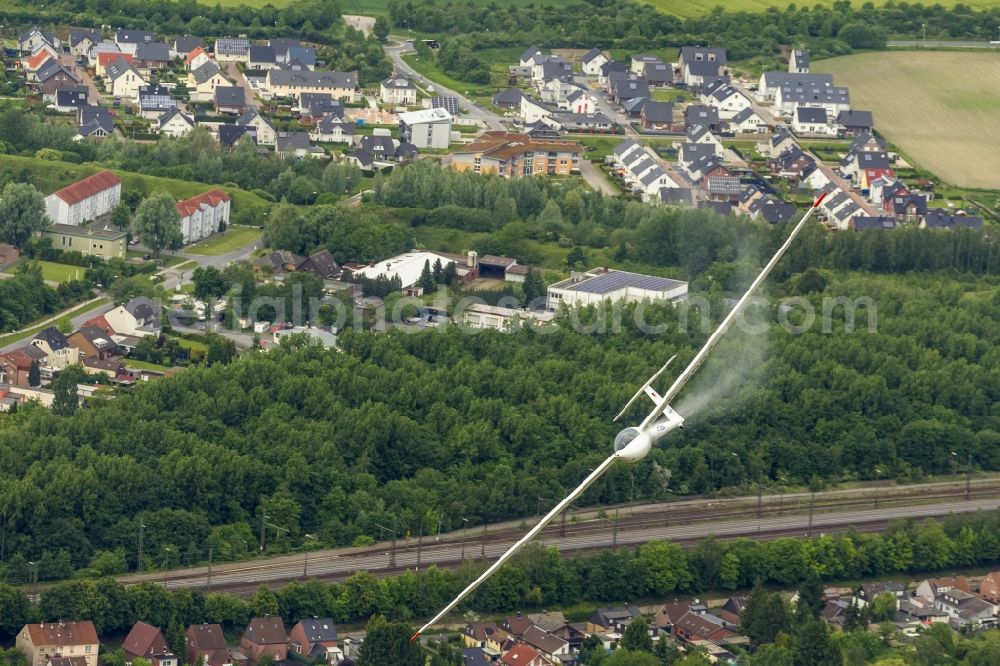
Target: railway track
<point x="683" y="522"/>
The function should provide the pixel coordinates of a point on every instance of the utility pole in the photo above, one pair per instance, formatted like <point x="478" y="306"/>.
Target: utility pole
<point x="614" y="532"/>
<point x="812" y="503"/>
<point x="420" y="542"/>
<point x="138" y="564"/>
<point x="482" y="550"/>
<point x="392" y="555"/>
<point x="263" y="532"/>
<point x="209" y="585"/>
<point x="440" y="525"/>
<point x="465" y="530"/>
<point x="968" y="479"/>
<point x="760" y="497"/>
<point x="305" y="563"/>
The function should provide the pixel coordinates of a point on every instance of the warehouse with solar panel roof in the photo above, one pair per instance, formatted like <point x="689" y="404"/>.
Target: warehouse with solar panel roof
<point x="607" y="284"/>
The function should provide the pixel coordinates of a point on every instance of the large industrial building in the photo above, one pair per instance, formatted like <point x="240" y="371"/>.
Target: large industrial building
<point x="603" y="284"/>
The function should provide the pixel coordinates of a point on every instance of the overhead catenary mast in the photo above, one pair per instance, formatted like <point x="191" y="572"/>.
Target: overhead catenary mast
<point x="632" y="444"/>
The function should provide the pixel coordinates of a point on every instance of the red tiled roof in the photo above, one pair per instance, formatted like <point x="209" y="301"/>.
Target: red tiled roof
<point x="520" y="654"/>
<point x="88" y="187"/>
<point x="104" y="58"/>
<point x="211" y="198"/>
<point x="194" y="54"/>
<point x="266" y="631"/>
<point x="100" y="322"/>
<point x="39" y="59"/>
<point x="206" y="637"/>
<point x="62" y="633"/>
<point x="140" y="640"/>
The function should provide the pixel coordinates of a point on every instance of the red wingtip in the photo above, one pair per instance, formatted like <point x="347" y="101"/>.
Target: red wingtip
<point x="819" y="200"/>
<point x="414" y="636"/>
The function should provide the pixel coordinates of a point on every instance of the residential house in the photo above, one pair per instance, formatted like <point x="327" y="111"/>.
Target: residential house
<point x="140" y="317"/>
<point x="580" y="122"/>
<point x="105" y="58"/>
<point x="196" y="58"/>
<point x="551" y="647"/>
<point x="726" y="98"/>
<point x="657" y="115"/>
<point x="207" y="644"/>
<point x="854" y="122"/>
<point x="550" y="67"/>
<point x="94" y="339"/>
<point x="523" y="655"/>
<point x="533" y="110"/>
<point x="939" y="218"/>
<point x="174" y="123"/>
<point x="204" y="80"/>
<point x="509" y="99"/>
<point x="361" y="158"/>
<point x="103" y="242"/>
<point x="771" y="81"/>
<point x="124" y="79"/>
<point x="798" y="61"/>
<point x="35" y="38"/>
<point x="300" y="57"/>
<point x="694" y="627"/>
<point x="475" y="657"/>
<point x="720" y="183"/>
<point x="794" y="163"/>
<point x="747" y="121"/>
<point x="398" y="90"/>
<point x="94" y="122"/>
<point x="144" y="641"/>
<point x="36" y="62"/>
<point x="128" y="40"/>
<point x="280" y="261"/>
<point x="94" y="54"/>
<point x="264" y="636"/>
<point x="313" y="106"/>
<point x="281" y="46"/>
<point x="773" y="210"/>
<point x="52" y="77"/>
<point x="609" y="68"/>
<point x="203" y="215"/>
<point x="230" y="99"/>
<point x="612" y="619"/>
<point x="626" y="86"/>
<point x="85" y="200"/>
<point x="676" y="196"/>
<point x="263" y="130"/>
<point x="658" y="74"/>
<point x="154" y="100"/>
<point x="669" y="614"/>
<point x="965" y="609"/>
<point x="152" y="56"/>
<point x="579" y="103"/>
<point x="700" y="114"/>
<point x="427" y="128"/>
<point x="732" y="610"/>
<point x="184" y="45"/>
<point x="292" y="83"/>
<point x="592" y="61"/>
<point x="315" y="639"/>
<point x="333" y="129"/>
<point x="297" y="144"/>
<point x="778" y="143"/>
<point x="700" y="65"/>
<point x="38" y="642"/>
<point x="486" y="635"/>
<point x="322" y="264"/>
<point x="230" y="135"/>
<point x="15" y="368"/>
<point x="868" y="223"/>
<point x="833" y="99"/>
<point x="700" y="135"/>
<point x="514" y="155"/>
<point x="812" y="120"/>
<point x="232" y="49"/>
<point x="261" y="57"/>
<point x="71" y="98"/>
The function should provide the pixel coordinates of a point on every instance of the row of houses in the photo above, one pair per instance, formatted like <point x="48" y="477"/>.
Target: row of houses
<point x="77" y="644"/>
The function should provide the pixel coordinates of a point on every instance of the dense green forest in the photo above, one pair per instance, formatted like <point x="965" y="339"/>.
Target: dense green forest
<point x="25" y="297"/>
<point x="542" y="578"/>
<point x="452" y="424"/>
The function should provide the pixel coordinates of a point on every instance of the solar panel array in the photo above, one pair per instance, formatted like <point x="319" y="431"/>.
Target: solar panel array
<point x="615" y="280"/>
<point x="449" y="104"/>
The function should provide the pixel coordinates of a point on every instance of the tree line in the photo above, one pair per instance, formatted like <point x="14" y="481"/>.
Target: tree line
<point x="25" y="297"/>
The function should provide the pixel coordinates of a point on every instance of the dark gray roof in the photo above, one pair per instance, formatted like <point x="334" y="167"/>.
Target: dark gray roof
<point x="678" y="196"/>
<point x="810" y="114"/>
<point x="654" y="175"/>
<point x="801" y="57"/>
<point x="53" y="337"/>
<point x="287" y="141"/>
<point x="157" y="51"/>
<point x="313" y="79"/>
<point x="474" y="657"/>
<point x="141" y="307"/>
<point x="704" y="68"/>
<point x="332" y="122"/>
<point x="658" y="72"/>
<point x="590" y="55"/>
<point x="614" y="280"/>
<point x="865" y="223"/>
<point x="117" y="68"/>
<point x="775" y="210"/>
<point x="378" y="145"/>
<point x="123" y="36"/>
<point x="720" y="207"/>
<point x="249" y="115"/>
<point x="187" y="43"/>
<point x="229" y="135"/>
<point x="170" y="113"/>
<point x="819" y="95"/>
<point x="701" y="115"/>
<point x="259" y="53"/>
<point x="856" y="119"/>
<point x="155" y="97"/>
<point x="873" y="159"/>
<point x="743" y="115"/>
<point x="77" y="35"/>
<point x="614" y="66"/>
<point x="282" y="44"/>
<point x="658" y="112"/>
<point x="530" y="51"/>
<point x="364" y="157"/>
<point x="321" y="629"/>
<point x="304" y="54"/>
<point x="629" y="88"/>
<point x="206" y="71"/>
<point x="72" y="96"/>
<point x="91" y="119"/>
<point x="691" y="54"/>
<point x="399" y="83"/>
<point x="938" y="218"/>
<point x="634" y="106"/>
<point x="230" y="96"/>
<point x="51" y="68"/>
<point x="776" y="79"/>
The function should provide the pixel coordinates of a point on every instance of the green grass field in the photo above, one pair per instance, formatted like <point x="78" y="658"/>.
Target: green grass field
<point x="32" y="328"/>
<point x="941" y="108"/>
<point x="233" y="238"/>
<point x="54" y="272"/>
<point x="373" y="7"/>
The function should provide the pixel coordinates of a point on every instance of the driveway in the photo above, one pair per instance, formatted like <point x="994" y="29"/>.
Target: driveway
<point x="248" y="91"/>
<point x="69" y="62"/>
<point x="472" y="110"/>
<point x="596" y="178"/>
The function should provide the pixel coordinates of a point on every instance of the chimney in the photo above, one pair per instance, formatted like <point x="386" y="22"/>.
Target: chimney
<point x="472" y="260"/>
<point x="371" y="264"/>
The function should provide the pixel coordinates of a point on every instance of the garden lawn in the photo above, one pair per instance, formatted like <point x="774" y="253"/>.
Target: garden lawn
<point x="233" y="238"/>
<point x="54" y="272"/>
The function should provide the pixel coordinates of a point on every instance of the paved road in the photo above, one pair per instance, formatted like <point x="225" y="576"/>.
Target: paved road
<point x="940" y="44"/>
<point x="347" y="561"/>
<point x="473" y="111"/>
<point x="596" y="178"/>
<point x="220" y="261"/>
<point x="69" y="61"/>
